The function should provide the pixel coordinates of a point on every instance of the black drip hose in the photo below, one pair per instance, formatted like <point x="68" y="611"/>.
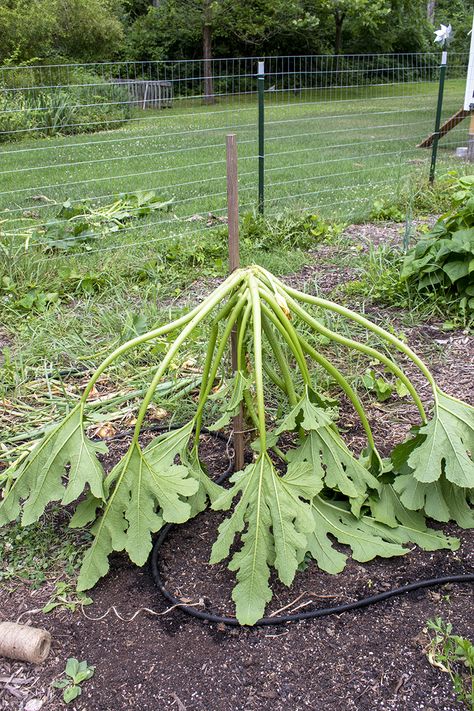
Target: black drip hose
<point x="297" y="616"/>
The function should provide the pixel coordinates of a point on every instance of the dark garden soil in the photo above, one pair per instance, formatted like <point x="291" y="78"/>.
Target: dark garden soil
<point x="158" y="658"/>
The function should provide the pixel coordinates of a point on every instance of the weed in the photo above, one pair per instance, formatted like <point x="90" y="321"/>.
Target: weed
<point x="381" y="387"/>
<point x="384" y="209"/>
<point x="453" y="655"/>
<point x="79" y="224"/>
<point x="35" y="553"/>
<point x="76" y="673"/>
<point x="380" y="278"/>
<point x="440" y="264"/>
<point x="66" y="597"/>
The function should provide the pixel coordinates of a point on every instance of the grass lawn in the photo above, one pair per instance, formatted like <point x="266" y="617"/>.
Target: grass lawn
<point x="326" y="152"/>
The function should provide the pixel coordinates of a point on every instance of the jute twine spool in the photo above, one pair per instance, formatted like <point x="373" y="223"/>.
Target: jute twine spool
<point x="29" y="644"/>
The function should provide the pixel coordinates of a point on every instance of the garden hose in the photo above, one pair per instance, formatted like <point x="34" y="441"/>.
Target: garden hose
<point x="297" y="616"/>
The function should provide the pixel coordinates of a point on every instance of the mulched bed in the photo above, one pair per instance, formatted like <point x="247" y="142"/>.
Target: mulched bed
<point x="162" y="659"/>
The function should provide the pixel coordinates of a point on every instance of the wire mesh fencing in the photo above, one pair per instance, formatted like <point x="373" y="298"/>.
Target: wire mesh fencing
<point x="115" y="159"/>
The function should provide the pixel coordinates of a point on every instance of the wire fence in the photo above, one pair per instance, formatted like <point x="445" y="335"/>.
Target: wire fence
<point x="121" y="158"/>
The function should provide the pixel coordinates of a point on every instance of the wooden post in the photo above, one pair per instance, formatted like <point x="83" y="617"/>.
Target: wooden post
<point x="234" y="263"/>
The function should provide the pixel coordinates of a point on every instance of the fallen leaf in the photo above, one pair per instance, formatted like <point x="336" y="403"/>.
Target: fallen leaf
<point x="157" y="413"/>
<point x="94" y="394"/>
<point x="33" y="705"/>
<point x="104" y="430"/>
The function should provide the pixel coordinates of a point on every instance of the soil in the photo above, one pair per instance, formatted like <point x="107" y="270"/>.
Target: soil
<point x="149" y="657"/>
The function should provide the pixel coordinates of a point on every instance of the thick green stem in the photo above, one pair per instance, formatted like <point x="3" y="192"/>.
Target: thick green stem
<point x="241" y="336"/>
<point x="276" y="380"/>
<point x="344" y="385"/>
<point x="257" y="338"/>
<point x="206" y="383"/>
<point x="353" y="316"/>
<point x="280" y="358"/>
<point x="214" y="298"/>
<point x="362" y="348"/>
<point x="223" y="342"/>
<point x="284" y="319"/>
<point x="200" y="316"/>
<point x="253" y="416"/>
<point x="295" y="348"/>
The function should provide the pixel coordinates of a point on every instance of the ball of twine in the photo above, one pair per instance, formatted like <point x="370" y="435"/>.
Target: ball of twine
<point x="28" y="644"/>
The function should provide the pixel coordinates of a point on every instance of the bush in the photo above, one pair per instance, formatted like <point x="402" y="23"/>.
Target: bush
<point x="442" y="263"/>
<point x="35" y="103"/>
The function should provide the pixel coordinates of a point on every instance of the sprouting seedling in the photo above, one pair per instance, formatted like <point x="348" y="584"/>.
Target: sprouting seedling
<point x="279" y="512"/>
<point x="75" y="674"/>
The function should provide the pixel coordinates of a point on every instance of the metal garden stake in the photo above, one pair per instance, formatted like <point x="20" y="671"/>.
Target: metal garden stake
<point x="261" y="135"/>
<point x="443" y="36"/>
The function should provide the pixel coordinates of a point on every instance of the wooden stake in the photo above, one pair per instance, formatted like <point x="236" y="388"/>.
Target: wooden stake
<point x="234" y="263"/>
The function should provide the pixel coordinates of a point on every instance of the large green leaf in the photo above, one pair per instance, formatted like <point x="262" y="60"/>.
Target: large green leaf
<point x="332" y="462"/>
<point x="208" y="490"/>
<point x="146" y="489"/>
<point x="388" y="509"/>
<point x="448" y="445"/>
<point x="440" y="500"/>
<point x="40" y="478"/>
<point x="335" y="519"/>
<point x="367" y="536"/>
<point x="457" y="269"/>
<point x="275" y="518"/>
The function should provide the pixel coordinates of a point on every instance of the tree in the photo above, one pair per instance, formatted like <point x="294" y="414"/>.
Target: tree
<point x="76" y="29"/>
<point x="365" y="13"/>
<point x="187" y="28"/>
<point x="85" y="27"/>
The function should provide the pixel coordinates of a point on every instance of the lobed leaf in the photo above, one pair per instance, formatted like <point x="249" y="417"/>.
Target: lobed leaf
<point x="440" y="500"/>
<point x="146" y="489"/>
<point x="274" y="514"/>
<point x="230" y="407"/>
<point x="448" y="444"/>
<point x="40" y="477"/>
<point x="388" y="509"/>
<point x="208" y="490"/>
<point x="368" y="536"/>
<point x="331" y="461"/>
<point x="365" y="537"/>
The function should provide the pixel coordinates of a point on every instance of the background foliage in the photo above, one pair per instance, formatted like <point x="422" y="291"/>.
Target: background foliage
<point x="91" y="30"/>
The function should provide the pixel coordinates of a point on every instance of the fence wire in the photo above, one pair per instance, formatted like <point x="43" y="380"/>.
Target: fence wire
<point x="339" y="131"/>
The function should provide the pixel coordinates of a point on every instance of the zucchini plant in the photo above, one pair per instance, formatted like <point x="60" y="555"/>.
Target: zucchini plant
<point x="303" y="488"/>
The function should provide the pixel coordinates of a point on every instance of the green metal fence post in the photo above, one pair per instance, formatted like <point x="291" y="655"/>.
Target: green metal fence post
<point x="434" y="152"/>
<point x="261" y="136"/>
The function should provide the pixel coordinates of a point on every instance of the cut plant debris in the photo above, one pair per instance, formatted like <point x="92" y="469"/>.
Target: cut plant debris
<point x="80" y="223"/>
<point x="303" y="492"/>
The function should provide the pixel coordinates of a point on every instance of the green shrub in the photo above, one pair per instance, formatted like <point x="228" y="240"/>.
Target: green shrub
<point x="35" y="104"/>
<point x="288" y="230"/>
<point x="442" y="262"/>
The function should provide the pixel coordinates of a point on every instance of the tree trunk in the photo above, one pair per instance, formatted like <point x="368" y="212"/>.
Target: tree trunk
<point x="430" y="11"/>
<point x="339" y="19"/>
<point x="209" y="97"/>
